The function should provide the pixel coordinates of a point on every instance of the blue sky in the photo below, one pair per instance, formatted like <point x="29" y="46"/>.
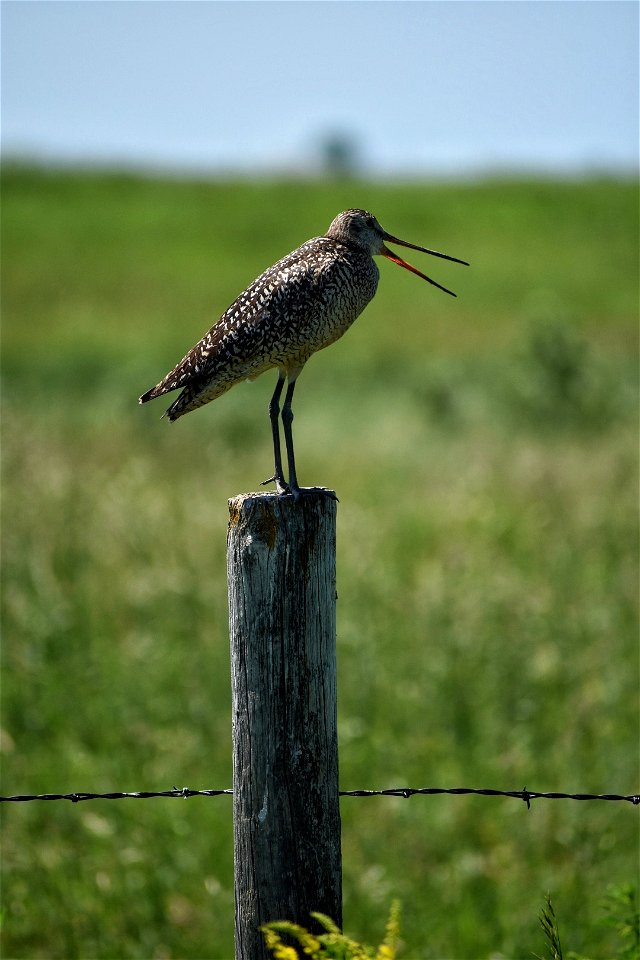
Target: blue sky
<point x="443" y="88"/>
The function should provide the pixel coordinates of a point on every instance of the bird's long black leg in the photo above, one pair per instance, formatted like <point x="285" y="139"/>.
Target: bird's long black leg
<point x="287" y="420"/>
<point x="274" y="411"/>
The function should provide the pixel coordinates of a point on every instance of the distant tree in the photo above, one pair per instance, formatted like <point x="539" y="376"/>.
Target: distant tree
<point x="340" y="154"/>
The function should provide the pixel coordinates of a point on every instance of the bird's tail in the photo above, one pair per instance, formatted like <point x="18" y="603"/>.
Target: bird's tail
<point x="172" y="413"/>
<point x="149" y="395"/>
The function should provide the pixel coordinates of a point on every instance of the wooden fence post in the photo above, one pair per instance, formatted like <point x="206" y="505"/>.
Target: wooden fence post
<point x="286" y="815"/>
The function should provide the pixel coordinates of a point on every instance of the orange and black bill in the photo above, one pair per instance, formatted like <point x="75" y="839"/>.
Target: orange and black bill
<point x="412" y="246"/>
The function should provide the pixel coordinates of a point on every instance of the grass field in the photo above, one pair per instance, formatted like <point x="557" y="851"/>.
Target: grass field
<point x="485" y="454"/>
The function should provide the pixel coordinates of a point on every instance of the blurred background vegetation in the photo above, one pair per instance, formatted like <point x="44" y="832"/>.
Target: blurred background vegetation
<point x="485" y="454"/>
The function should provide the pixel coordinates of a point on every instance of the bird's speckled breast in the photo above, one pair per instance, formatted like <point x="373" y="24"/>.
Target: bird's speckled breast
<point x="334" y="285"/>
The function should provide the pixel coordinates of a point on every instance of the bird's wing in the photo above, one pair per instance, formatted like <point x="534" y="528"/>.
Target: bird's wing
<point x="248" y="324"/>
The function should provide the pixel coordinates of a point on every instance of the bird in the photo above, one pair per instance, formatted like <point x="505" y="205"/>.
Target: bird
<point x="303" y="303"/>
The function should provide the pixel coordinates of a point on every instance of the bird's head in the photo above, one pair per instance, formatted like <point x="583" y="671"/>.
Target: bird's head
<point x="358" y="228"/>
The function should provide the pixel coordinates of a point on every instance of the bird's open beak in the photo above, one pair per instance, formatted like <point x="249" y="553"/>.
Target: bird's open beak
<point x="403" y="263"/>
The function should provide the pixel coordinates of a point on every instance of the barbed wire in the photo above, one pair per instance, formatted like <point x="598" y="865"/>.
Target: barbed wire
<point x="405" y="792"/>
<point x="181" y="792"/>
<point x="526" y="795"/>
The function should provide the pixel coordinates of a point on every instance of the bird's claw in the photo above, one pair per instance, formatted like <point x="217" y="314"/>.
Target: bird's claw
<point x="281" y="487"/>
<point x="299" y="492"/>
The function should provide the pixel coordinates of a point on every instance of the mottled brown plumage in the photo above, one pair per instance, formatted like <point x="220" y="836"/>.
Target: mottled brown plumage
<point x="300" y="305"/>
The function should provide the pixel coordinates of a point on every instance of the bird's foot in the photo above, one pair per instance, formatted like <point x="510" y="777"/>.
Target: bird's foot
<point x="286" y="489"/>
<point x="299" y="492"/>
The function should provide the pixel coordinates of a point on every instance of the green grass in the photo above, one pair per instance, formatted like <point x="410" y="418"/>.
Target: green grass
<point x="485" y="454"/>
